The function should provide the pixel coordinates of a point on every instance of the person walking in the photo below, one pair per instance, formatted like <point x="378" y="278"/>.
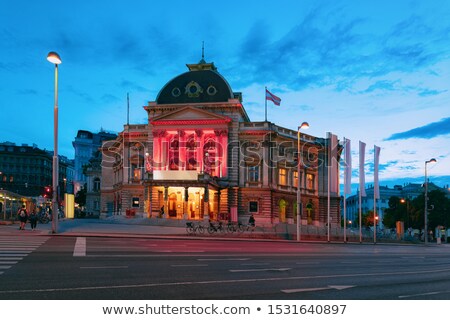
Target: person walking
<point x="33" y="219"/>
<point x="23" y="217"/>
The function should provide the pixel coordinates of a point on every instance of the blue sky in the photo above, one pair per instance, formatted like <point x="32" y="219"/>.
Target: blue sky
<point x="375" y="71"/>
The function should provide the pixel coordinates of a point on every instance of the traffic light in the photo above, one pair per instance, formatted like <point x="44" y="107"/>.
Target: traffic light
<point x="48" y="192"/>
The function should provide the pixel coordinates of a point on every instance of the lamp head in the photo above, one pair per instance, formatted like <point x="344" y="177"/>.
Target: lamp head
<point x="432" y="160"/>
<point x="53" y="57"/>
<point x="304" y="125"/>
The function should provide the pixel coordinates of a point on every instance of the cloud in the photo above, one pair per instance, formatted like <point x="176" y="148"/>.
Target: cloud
<point x="341" y="51"/>
<point x="429" y="92"/>
<point x="428" y="131"/>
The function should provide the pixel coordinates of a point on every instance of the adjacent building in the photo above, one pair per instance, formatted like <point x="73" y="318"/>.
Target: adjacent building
<point x="27" y="170"/>
<point x="86" y="144"/>
<point x="201" y="157"/>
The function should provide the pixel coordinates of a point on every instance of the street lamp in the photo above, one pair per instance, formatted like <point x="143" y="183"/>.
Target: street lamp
<point x="304" y="125"/>
<point x="425" y="231"/>
<point x="54" y="58"/>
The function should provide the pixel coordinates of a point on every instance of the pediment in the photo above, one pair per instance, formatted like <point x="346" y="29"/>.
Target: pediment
<point x="190" y="114"/>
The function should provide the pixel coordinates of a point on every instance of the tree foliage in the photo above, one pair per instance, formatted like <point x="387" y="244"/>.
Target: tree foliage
<point x="411" y="211"/>
<point x="80" y="197"/>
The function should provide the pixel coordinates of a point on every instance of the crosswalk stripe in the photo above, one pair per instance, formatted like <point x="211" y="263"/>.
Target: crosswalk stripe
<point x="13" y="250"/>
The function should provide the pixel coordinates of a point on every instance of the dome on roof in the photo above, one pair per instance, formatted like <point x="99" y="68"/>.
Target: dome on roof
<point x="201" y="84"/>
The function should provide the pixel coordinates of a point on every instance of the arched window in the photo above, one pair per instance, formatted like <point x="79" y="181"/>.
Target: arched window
<point x="174" y="153"/>
<point x="191" y="153"/>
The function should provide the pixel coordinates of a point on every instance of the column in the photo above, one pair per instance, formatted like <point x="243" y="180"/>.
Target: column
<point x="199" y="149"/>
<point x="206" y="204"/>
<point x="182" y="150"/>
<point x="166" y="202"/>
<point x="186" y="203"/>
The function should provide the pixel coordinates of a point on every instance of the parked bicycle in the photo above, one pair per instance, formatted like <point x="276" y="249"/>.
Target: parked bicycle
<point x="43" y="217"/>
<point x="219" y="227"/>
<point x="193" y="228"/>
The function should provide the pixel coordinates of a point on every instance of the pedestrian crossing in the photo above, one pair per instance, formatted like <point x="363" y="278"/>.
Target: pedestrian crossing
<point x="15" y="249"/>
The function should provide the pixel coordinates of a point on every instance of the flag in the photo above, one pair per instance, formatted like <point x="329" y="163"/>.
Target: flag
<point x="270" y="96"/>
<point x="333" y="162"/>
<point x="348" y="167"/>
<point x="362" y="179"/>
<point x="376" y="187"/>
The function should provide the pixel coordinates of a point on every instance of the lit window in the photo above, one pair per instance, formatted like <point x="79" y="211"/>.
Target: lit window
<point x="295" y="179"/>
<point x="282" y="177"/>
<point x="310" y="181"/>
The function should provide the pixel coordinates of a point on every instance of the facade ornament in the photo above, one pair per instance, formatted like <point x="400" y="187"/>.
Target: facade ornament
<point x="159" y="133"/>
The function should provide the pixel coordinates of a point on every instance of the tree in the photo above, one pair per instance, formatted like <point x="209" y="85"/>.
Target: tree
<point x="80" y="197"/>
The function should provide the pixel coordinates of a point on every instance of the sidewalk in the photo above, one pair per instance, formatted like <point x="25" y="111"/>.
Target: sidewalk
<point x="120" y="226"/>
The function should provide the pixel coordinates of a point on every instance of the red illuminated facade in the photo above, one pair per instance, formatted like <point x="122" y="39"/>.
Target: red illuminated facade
<point x="200" y="157"/>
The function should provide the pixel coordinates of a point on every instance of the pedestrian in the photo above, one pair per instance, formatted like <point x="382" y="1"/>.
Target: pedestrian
<point x="23" y="217"/>
<point x="161" y="212"/>
<point x="33" y="219"/>
<point x="251" y="220"/>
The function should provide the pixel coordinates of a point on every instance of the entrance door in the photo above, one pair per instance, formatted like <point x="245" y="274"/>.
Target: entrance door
<point x="173" y="205"/>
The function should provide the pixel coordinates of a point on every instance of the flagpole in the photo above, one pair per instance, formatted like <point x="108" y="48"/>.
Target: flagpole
<point x="265" y="99"/>
<point x="374" y="217"/>
<point x="330" y="160"/>
<point x="345" y="193"/>
<point x="360" y="217"/>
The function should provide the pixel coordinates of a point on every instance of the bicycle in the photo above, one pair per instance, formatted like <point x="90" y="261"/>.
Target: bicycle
<point x="234" y="227"/>
<point x="216" y="228"/>
<point x="192" y="228"/>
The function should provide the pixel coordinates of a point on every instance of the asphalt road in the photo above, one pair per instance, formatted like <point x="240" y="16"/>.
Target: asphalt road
<point x="45" y="267"/>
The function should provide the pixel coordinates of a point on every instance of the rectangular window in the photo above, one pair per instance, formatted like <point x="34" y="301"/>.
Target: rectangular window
<point x="135" y="203"/>
<point x="282" y="177"/>
<point x="253" y="206"/>
<point x="253" y="174"/>
<point x="310" y="181"/>
<point x="295" y="179"/>
<point x="136" y="173"/>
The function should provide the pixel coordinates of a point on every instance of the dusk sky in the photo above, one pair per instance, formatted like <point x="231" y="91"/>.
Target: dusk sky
<point x="375" y="71"/>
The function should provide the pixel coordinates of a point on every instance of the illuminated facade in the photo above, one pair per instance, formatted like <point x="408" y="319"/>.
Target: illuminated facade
<point x="200" y="157"/>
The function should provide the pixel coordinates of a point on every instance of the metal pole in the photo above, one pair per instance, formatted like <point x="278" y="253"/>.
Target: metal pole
<point x="299" y="196"/>
<point x="425" y="229"/>
<point x="55" y="158"/>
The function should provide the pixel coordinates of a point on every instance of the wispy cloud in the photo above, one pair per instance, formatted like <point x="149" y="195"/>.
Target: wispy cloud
<point x="429" y="92"/>
<point x="428" y="131"/>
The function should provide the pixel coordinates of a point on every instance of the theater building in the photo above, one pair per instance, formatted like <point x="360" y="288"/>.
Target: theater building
<point x="200" y="157"/>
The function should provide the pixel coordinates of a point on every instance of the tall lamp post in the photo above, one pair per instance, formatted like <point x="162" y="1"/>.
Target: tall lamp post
<point x="54" y="58"/>
<point x="304" y="125"/>
<point x="425" y="230"/>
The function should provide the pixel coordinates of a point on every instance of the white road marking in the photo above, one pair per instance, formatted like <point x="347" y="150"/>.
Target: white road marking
<point x="188" y="265"/>
<point x="225" y="259"/>
<point x="5" y="267"/>
<point x="10" y="258"/>
<point x="80" y="247"/>
<point x="8" y="262"/>
<point x="13" y="254"/>
<point x="259" y="270"/>
<point x="106" y="267"/>
<point x="216" y="282"/>
<point x="316" y="289"/>
<point x="422" y="294"/>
